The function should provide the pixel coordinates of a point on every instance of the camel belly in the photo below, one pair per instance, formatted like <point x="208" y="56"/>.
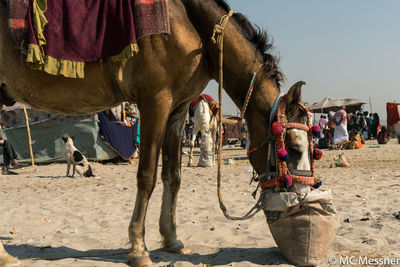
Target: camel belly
<point x="58" y="94"/>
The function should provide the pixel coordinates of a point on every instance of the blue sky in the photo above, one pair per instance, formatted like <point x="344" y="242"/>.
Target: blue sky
<point x="341" y="48"/>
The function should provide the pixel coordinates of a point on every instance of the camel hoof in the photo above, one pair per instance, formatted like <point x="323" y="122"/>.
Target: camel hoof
<point x="205" y="165"/>
<point x="178" y="248"/>
<point x="9" y="261"/>
<point x="185" y="251"/>
<point x="139" y="261"/>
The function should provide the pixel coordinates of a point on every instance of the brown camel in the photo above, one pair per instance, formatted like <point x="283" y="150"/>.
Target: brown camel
<point x="162" y="79"/>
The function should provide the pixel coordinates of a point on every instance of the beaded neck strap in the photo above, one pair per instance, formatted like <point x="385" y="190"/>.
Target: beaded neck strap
<point x="248" y="95"/>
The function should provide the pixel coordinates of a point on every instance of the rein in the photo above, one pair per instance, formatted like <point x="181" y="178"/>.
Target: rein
<point x="218" y="39"/>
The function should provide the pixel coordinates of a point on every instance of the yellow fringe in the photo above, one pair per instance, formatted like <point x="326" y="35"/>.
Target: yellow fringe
<point x="128" y="52"/>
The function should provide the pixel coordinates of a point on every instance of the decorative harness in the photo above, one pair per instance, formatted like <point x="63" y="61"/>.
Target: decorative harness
<point x="284" y="177"/>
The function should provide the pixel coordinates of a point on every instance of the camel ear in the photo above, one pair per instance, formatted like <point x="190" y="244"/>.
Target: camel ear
<point x="294" y="96"/>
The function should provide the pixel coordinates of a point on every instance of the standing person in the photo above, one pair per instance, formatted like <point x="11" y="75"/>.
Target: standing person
<point x="371" y="118"/>
<point x="243" y="137"/>
<point x="340" y="119"/>
<point x="224" y="137"/>
<point x="361" y="124"/>
<point x="367" y="132"/>
<point x="375" y="125"/>
<point x="323" y="122"/>
<point x="331" y="124"/>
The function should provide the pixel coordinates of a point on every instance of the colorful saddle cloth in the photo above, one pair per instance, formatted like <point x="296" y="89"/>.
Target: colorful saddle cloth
<point x="60" y="36"/>
<point x="210" y="101"/>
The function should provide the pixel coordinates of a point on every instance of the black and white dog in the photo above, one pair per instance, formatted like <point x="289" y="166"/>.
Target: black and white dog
<point x="77" y="159"/>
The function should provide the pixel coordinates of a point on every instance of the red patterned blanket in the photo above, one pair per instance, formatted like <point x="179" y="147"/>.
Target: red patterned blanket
<point x="210" y="101"/>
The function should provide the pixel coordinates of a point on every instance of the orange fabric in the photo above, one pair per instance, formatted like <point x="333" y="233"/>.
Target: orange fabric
<point x="358" y="144"/>
<point x="358" y="141"/>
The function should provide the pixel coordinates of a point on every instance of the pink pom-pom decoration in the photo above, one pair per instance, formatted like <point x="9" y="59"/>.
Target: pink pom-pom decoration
<point x="316" y="130"/>
<point x="277" y="128"/>
<point x="317" y="154"/>
<point x="285" y="181"/>
<point x="282" y="154"/>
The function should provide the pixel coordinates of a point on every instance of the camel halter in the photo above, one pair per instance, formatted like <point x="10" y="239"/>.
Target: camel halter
<point x="284" y="174"/>
<point x="218" y="38"/>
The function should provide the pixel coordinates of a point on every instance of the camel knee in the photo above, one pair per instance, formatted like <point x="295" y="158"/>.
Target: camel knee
<point x="172" y="179"/>
<point x="146" y="185"/>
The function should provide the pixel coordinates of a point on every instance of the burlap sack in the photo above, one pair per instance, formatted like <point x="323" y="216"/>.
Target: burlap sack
<point x="304" y="233"/>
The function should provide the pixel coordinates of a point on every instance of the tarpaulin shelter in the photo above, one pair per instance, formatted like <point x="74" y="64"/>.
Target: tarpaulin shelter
<point x="46" y="130"/>
<point x="334" y="104"/>
<point x="232" y="130"/>
<point x="393" y="117"/>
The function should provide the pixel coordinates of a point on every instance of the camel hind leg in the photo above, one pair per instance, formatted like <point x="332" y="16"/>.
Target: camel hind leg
<point x="171" y="171"/>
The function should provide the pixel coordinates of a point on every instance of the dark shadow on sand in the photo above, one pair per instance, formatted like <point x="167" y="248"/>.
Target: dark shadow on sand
<point x="225" y="256"/>
<point x="55" y="253"/>
<point x="52" y="176"/>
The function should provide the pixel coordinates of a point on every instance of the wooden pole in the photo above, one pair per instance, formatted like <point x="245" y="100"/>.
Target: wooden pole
<point x="370" y="104"/>
<point x="29" y="136"/>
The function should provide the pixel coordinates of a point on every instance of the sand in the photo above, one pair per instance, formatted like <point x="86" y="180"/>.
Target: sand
<point x="44" y="214"/>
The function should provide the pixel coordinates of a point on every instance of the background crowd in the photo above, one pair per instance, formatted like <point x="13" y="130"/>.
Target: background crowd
<point x="341" y="128"/>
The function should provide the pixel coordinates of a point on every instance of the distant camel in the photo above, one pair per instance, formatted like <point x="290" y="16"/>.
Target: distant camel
<point x="205" y="122"/>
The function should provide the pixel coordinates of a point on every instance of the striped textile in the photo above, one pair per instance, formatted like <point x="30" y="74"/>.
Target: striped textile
<point x="151" y="17"/>
<point x="17" y="11"/>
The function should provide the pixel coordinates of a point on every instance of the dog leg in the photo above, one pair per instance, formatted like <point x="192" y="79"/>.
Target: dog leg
<point x="80" y="172"/>
<point x="73" y="170"/>
<point x="68" y="168"/>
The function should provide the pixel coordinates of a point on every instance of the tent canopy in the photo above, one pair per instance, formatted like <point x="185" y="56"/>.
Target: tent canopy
<point x="334" y="104"/>
<point x="47" y="129"/>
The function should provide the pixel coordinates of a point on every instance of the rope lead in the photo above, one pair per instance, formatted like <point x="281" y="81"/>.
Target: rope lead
<point x="218" y="39"/>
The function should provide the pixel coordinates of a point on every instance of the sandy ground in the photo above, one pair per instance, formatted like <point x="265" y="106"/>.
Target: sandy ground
<point x="44" y="214"/>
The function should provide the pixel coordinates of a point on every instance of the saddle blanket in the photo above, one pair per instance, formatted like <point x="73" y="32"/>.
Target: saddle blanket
<point x="61" y="35"/>
<point x="210" y="101"/>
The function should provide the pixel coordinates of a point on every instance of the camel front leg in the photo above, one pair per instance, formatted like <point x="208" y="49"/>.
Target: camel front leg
<point x="171" y="171"/>
<point x="152" y="130"/>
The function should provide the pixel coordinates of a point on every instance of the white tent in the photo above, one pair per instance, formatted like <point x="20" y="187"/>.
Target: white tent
<point x="333" y="104"/>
